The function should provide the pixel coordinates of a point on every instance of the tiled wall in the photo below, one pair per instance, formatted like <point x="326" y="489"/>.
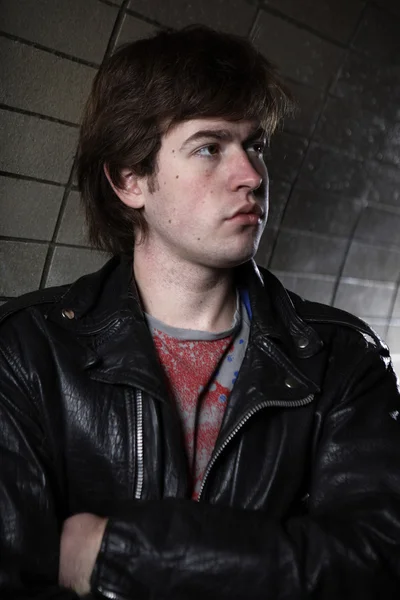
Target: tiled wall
<point x="334" y="228"/>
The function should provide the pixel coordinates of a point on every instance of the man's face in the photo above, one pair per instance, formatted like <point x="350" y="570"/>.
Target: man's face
<point x="209" y="203"/>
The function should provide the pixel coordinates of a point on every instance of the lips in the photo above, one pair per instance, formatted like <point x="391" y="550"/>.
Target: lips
<point x="247" y="209"/>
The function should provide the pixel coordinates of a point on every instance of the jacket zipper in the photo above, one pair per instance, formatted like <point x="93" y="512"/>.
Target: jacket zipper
<point x="243" y="421"/>
<point x="139" y="445"/>
<point x="139" y="448"/>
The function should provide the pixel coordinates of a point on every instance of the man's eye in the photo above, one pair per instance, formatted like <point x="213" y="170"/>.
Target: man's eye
<point x="209" y="150"/>
<point x="258" y="147"/>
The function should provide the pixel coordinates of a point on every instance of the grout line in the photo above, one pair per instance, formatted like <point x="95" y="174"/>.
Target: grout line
<point x="13" y="238"/>
<point x="149" y="20"/>
<point x="255" y="28"/>
<point x="332" y="278"/>
<point x="311" y="143"/>
<point x="275" y="12"/>
<point x="38" y="46"/>
<point x="305" y="275"/>
<point x="389" y="208"/>
<point x="344" y="152"/>
<point x="393" y="303"/>
<point x="379" y="245"/>
<point x="42" y="117"/>
<point x="352" y="235"/>
<point x="313" y="234"/>
<point x="369" y="282"/>
<point x="309" y="147"/>
<point x="9" y="238"/>
<point x="76" y="247"/>
<point x="385" y="9"/>
<point x="52" y="245"/>
<point x="110" y="3"/>
<point x="116" y="30"/>
<point x="358" y="27"/>
<point x="28" y="178"/>
<point x="350" y="239"/>
<point x="70" y="184"/>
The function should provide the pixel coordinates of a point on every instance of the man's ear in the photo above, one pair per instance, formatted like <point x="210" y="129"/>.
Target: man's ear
<point x="130" y="193"/>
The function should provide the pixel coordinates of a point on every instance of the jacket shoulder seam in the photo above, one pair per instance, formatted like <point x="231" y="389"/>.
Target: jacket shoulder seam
<point x="337" y="316"/>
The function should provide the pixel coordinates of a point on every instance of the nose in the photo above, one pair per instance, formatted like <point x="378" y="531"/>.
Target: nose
<point x="247" y="171"/>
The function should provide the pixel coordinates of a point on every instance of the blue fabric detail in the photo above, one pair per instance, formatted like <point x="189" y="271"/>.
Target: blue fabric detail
<point x="244" y="295"/>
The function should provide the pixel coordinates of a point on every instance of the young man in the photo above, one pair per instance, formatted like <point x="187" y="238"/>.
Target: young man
<point x="178" y="426"/>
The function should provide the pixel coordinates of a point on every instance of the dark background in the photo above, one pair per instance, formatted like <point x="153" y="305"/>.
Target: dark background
<point x="334" y="228"/>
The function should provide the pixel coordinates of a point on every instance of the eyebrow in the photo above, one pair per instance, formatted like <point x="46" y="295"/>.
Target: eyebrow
<point x="222" y="134"/>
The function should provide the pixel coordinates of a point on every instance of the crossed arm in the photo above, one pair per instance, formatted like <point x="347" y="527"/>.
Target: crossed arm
<point x="80" y="543"/>
<point x="348" y="545"/>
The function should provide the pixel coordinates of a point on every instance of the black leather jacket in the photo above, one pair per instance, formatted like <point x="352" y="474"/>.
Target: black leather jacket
<point x="301" y="498"/>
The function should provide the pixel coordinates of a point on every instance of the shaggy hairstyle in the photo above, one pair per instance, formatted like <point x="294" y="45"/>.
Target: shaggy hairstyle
<point x="146" y="88"/>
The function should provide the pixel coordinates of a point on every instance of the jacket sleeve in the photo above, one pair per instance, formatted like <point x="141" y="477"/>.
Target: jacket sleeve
<point x="29" y="527"/>
<point x="346" y="546"/>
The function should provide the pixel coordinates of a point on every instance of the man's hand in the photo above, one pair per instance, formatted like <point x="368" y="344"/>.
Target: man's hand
<point x="80" y="543"/>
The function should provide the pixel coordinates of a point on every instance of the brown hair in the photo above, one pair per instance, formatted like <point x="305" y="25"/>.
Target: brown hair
<point x="145" y="88"/>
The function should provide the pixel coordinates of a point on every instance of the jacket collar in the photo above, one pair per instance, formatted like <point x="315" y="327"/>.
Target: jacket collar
<point x="103" y="312"/>
<point x="274" y="313"/>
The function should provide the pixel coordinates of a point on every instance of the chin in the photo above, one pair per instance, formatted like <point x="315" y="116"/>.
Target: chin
<point x="234" y="259"/>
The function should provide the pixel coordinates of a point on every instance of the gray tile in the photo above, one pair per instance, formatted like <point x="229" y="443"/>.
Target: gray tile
<point x="379" y="326"/>
<point x="234" y="16"/>
<point x="21" y="266"/>
<point x="396" y="309"/>
<point x="320" y="212"/>
<point x="308" y="253"/>
<point x="370" y="262"/>
<point x="379" y="226"/>
<point x="299" y="54"/>
<point x="393" y="338"/>
<point x="265" y="247"/>
<point x="41" y="82"/>
<point x="369" y="85"/>
<point x="316" y="290"/>
<point x="390" y="5"/>
<point x="396" y="366"/>
<point x="389" y="151"/>
<point x="384" y="184"/>
<point x="365" y="299"/>
<point x="73" y="228"/>
<point x="378" y="35"/>
<point x="69" y="264"/>
<point x="278" y="196"/>
<point x="309" y="104"/>
<point x="353" y="129"/>
<point x="334" y="18"/>
<point x="81" y="29"/>
<point x="287" y="154"/>
<point x="28" y="209"/>
<point x="36" y="147"/>
<point x="134" y="29"/>
<point x="333" y="171"/>
<point x="363" y="117"/>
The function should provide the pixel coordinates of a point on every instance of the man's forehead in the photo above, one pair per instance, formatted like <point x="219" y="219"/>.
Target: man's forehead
<point x="243" y="127"/>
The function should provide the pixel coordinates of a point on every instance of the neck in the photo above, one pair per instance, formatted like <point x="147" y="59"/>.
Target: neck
<point x="184" y="295"/>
